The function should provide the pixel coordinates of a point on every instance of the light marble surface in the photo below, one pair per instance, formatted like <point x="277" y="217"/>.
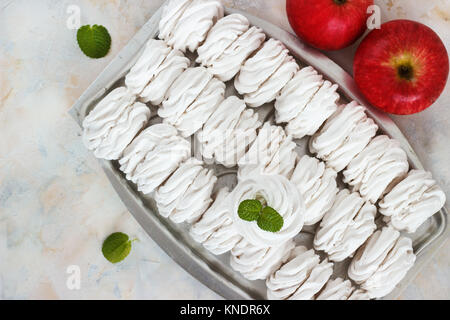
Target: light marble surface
<point x="56" y="205"/>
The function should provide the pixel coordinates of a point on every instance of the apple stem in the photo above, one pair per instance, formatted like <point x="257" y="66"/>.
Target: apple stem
<point x="405" y="71"/>
<point x="340" y="2"/>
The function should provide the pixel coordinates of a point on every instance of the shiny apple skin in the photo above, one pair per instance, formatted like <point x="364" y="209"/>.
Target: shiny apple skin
<point x="378" y="78"/>
<point x="326" y="25"/>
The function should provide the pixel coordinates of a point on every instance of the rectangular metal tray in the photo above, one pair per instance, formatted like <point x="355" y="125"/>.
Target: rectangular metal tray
<point x="215" y="271"/>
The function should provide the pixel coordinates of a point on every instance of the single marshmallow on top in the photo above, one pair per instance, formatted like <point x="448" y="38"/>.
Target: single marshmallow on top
<point x="226" y="65"/>
<point x="215" y="230"/>
<point x="147" y="66"/>
<point x="346" y="226"/>
<point x="263" y="76"/>
<point x="337" y="289"/>
<point x="172" y="67"/>
<point x="382" y="262"/>
<point x="318" y="186"/>
<point x="229" y="131"/>
<point x="374" y="171"/>
<point x="226" y="31"/>
<point x="278" y="193"/>
<point x="301" y="277"/>
<point x="113" y="123"/>
<point x="297" y="94"/>
<point x="411" y="202"/>
<point x="185" y="24"/>
<point x="186" y="194"/>
<point x="153" y="156"/>
<point x="344" y="135"/>
<point x="258" y="262"/>
<point x="191" y="100"/>
<point x="271" y="153"/>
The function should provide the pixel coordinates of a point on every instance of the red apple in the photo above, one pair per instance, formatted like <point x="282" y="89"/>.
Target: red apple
<point x="401" y="68"/>
<point x="328" y="24"/>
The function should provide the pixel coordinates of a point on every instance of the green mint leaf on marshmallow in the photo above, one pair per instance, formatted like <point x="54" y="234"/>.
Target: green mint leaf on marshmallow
<point x="267" y="218"/>
<point x="116" y="247"/>
<point x="249" y="210"/>
<point x="94" y="41"/>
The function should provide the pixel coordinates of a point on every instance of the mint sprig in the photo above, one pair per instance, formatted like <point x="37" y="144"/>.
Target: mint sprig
<point x="249" y="210"/>
<point x="94" y="41"/>
<point x="267" y="218"/>
<point x="116" y="247"/>
<point x="270" y="220"/>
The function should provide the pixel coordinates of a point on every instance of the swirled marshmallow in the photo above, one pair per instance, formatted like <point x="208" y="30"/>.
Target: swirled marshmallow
<point x="228" y="64"/>
<point x="297" y="94"/>
<point x="359" y="294"/>
<point x="411" y="202"/>
<point x="317" y="185"/>
<point x="186" y="194"/>
<point x="191" y="27"/>
<point x="171" y="14"/>
<point x="346" y="226"/>
<point x="337" y="289"/>
<point x="313" y="115"/>
<point x="191" y="100"/>
<point x="271" y="153"/>
<point x="392" y="270"/>
<point x="344" y="135"/>
<point x="255" y="262"/>
<point x="301" y="277"/>
<point x="229" y="131"/>
<point x="371" y="255"/>
<point x="146" y="67"/>
<point x="215" y="230"/>
<point x="220" y="37"/>
<point x="171" y="68"/>
<point x="381" y="164"/>
<point x="113" y="124"/>
<point x="153" y="156"/>
<point x="278" y="193"/>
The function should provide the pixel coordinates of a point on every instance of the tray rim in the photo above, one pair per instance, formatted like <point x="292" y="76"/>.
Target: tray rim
<point x="177" y="250"/>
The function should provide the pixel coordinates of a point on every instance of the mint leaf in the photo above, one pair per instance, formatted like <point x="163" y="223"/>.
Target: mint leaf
<point x="249" y="210"/>
<point x="270" y="220"/>
<point x="94" y="41"/>
<point x="116" y="247"/>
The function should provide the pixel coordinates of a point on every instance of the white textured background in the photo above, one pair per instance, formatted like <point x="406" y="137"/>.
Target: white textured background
<point x="56" y="205"/>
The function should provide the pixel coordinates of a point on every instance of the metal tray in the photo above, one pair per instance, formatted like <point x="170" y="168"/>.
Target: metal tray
<point x="215" y="271"/>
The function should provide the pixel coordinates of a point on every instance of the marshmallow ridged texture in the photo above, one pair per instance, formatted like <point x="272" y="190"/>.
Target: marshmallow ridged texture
<point x="147" y="66"/>
<point x="296" y="94"/>
<point x="264" y="75"/>
<point x="336" y="289"/>
<point x="393" y="269"/>
<point x="113" y="123"/>
<point x="346" y="226"/>
<point x="191" y="100"/>
<point x="220" y="37"/>
<point x="381" y="164"/>
<point x="187" y="29"/>
<point x="271" y="153"/>
<point x="300" y="278"/>
<point x="280" y="194"/>
<point x="256" y="262"/>
<point x="268" y="91"/>
<point x="318" y="186"/>
<point x="344" y="135"/>
<point x="371" y="255"/>
<point x="229" y="131"/>
<point x="412" y="201"/>
<point x="186" y="194"/>
<point x="227" y="65"/>
<point x="153" y="156"/>
<point x="315" y="112"/>
<point x="215" y="230"/>
<point x="171" y="68"/>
